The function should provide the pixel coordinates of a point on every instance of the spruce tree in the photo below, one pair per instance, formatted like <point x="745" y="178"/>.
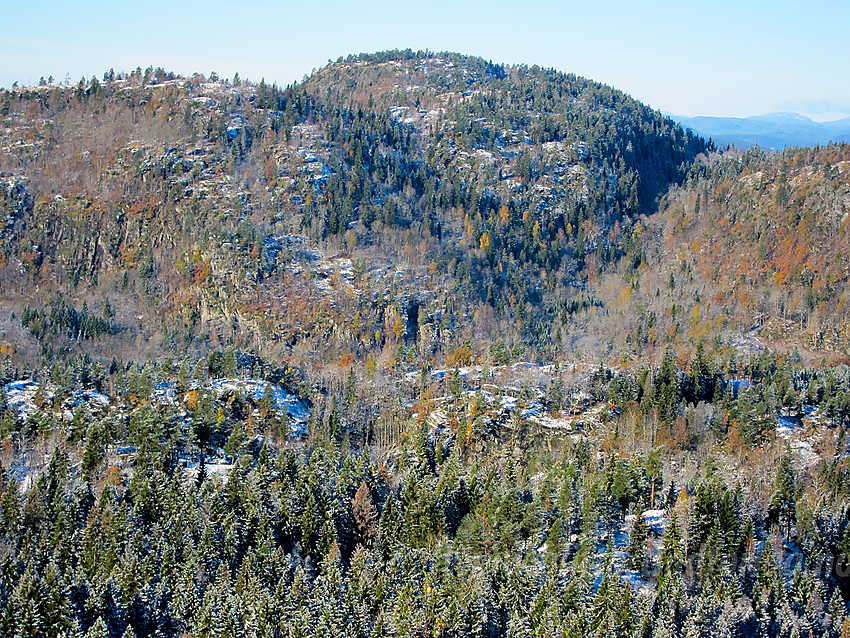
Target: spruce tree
<point x="637" y="551"/>
<point x="98" y="629"/>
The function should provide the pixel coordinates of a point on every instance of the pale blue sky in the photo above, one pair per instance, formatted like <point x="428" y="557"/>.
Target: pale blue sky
<point x="717" y="57"/>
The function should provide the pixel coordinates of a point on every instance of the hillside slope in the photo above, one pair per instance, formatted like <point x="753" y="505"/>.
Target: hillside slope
<point x="755" y="243"/>
<point x="393" y="206"/>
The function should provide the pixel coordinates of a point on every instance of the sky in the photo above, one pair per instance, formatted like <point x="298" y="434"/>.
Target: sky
<point x="715" y="57"/>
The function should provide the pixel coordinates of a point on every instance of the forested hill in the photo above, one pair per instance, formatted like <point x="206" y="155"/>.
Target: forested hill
<point x="422" y="345"/>
<point x="757" y="241"/>
<point x="388" y="201"/>
<point x="464" y="105"/>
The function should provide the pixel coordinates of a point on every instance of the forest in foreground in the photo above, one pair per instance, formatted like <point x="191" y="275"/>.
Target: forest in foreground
<point x="712" y="502"/>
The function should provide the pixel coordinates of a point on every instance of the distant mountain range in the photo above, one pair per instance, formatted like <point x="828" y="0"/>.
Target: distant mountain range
<point x="772" y="131"/>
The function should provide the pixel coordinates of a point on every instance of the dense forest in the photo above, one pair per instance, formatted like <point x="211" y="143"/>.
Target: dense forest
<point x="422" y="345"/>
<point x="677" y="515"/>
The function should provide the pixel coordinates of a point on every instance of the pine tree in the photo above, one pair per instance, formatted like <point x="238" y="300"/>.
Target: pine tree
<point x="334" y="424"/>
<point x="311" y="522"/>
<point x="236" y="441"/>
<point x="768" y="590"/>
<point x="58" y="612"/>
<point x="10" y="509"/>
<point x="836" y="609"/>
<point x="665" y="626"/>
<point x="667" y="388"/>
<point x="350" y="388"/>
<point x="554" y="544"/>
<point x="183" y="378"/>
<point x="710" y="571"/>
<point x="729" y="526"/>
<point x="389" y="527"/>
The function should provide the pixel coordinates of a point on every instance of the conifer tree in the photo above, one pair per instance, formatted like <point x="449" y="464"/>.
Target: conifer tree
<point x="783" y="503"/>
<point x="98" y="629"/>
<point x="637" y="552"/>
<point x="365" y="514"/>
<point x="10" y="509"/>
<point x="671" y="565"/>
<point x="202" y="469"/>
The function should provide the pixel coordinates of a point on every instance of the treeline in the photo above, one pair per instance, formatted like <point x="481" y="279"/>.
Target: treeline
<point x="746" y="396"/>
<point x="64" y="320"/>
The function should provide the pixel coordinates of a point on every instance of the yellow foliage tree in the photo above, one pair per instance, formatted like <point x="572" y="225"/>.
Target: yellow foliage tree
<point x="398" y="327"/>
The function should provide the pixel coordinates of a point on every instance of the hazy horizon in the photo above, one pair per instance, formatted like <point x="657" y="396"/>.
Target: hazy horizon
<point x="721" y="60"/>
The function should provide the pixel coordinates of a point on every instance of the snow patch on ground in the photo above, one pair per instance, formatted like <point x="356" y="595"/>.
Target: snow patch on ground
<point x="791" y="429"/>
<point x="215" y="467"/>
<point x="96" y="401"/>
<point x="21" y="394"/>
<point x="656" y="521"/>
<point x="282" y="401"/>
